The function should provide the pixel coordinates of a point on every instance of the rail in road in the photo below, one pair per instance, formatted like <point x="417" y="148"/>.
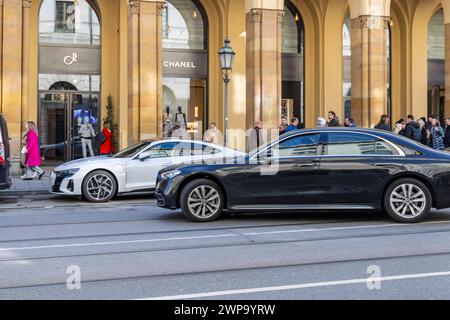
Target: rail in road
<point x="133" y="250"/>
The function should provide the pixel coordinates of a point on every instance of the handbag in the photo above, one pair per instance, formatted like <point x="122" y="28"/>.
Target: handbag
<point x="100" y="137"/>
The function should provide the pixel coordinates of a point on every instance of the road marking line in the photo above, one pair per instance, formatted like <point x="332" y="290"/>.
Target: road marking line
<point x="231" y="235"/>
<point x="300" y="286"/>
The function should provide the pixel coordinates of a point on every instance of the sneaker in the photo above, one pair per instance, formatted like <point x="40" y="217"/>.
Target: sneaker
<point x="41" y="175"/>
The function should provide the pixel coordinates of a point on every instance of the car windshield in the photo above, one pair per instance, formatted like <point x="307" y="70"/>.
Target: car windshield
<point x="133" y="150"/>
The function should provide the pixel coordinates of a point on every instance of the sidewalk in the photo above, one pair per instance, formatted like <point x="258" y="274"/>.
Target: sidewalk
<point x="21" y="187"/>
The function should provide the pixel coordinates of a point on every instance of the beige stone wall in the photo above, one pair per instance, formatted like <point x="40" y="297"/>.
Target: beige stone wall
<point x="131" y="61"/>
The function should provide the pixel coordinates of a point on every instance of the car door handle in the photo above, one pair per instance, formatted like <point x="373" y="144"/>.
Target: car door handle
<point x="306" y="165"/>
<point x="387" y="165"/>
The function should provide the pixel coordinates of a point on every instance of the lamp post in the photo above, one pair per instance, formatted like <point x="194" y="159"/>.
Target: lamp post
<point x="226" y="55"/>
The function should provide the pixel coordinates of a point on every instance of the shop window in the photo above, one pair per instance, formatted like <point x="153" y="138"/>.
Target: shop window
<point x="68" y="23"/>
<point x="183" y="26"/>
<point x="65" y="16"/>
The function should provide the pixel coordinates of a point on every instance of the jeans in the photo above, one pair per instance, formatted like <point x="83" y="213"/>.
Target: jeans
<point x="87" y="143"/>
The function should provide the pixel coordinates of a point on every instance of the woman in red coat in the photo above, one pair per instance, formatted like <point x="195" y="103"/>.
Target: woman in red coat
<point x="106" y="147"/>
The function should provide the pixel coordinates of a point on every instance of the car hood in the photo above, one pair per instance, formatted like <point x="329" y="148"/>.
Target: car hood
<point x="101" y="161"/>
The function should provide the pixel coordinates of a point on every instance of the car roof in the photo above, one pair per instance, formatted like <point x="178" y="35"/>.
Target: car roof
<point x="392" y="137"/>
<point x="217" y="146"/>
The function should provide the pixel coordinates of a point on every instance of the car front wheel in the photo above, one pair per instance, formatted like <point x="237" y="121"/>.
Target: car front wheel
<point x="202" y="200"/>
<point x="408" y="200"/>
<point x="99" y="186"/>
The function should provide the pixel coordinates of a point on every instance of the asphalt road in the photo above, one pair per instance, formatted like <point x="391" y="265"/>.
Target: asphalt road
<point x="129" y="249"/>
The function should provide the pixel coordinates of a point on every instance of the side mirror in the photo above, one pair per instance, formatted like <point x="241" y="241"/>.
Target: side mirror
<point x="144" y="155"/>
<point x="265" y="157"/>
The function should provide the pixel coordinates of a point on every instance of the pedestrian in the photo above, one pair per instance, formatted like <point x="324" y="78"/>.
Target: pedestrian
<point x="256" y="136"/>
<point x="321" y="122"/>
<point x="333" y="120"/>
<point x="87" y="133"/>
<point x="212" y="135"/>
<point x="383" y="124"/>
<point x="447" y="134"/>
<point x="425" y="133"/>
<point x="412" y="129"/>
<point x="106" y="146"/>
<point x="283" y="126"/>
<point x="398" y="126"/>
<point x="293" y="126"/>
<point x="33" y="154"/>
<point x="437" y="135"/>
<point x="350" y="123"/>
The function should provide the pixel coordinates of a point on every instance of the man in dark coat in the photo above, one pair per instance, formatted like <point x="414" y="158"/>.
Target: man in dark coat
<point x="412" y="129"/>
<point x="333" y="120"/>
<point x="447" y="133"/>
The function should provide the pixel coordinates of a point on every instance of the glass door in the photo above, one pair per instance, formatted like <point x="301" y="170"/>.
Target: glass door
<point x="61" y="115"/>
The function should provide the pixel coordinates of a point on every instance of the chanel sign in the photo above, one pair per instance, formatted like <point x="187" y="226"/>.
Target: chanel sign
<point x="185" y="63"/>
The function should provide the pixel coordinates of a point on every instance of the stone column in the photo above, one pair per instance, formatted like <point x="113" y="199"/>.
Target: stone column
<point x="369" y="69"/>
<point x="145" y="69"/>
<point x="12" y="73"/>
<point x="1" y="54"/>
<point x="25" y="59"/>
<point x="447" y="70"/>
<point x="264" y="66"/>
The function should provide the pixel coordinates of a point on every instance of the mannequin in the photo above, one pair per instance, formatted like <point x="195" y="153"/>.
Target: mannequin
<point x="87" y="133"/>
<point x="167" y="120"/>
<point x="180" y="118"/>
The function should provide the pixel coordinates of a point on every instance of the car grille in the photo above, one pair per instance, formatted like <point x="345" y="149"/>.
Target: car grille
<point x="58" y="181"/>
<point x="57" y="184"/>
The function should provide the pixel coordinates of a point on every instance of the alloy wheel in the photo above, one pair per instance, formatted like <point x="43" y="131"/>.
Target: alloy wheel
<point x="100" y="187"/>
<point x="204" y="201"/>
<point x="408" y="200"/>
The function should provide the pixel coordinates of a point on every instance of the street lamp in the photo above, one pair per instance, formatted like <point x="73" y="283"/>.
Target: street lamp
<point x="226" y="55"/>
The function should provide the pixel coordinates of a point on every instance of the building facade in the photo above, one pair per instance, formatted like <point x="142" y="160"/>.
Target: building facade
<point x="158" y="60"/>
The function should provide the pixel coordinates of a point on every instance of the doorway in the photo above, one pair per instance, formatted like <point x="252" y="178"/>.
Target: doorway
<point x="61" y="114"/>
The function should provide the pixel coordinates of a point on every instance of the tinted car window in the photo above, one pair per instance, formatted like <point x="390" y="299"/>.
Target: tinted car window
<point x="303" y="145"/>
<point x="194" y="149"/>
<point x="163" y="150"/>
<point x="133" y="150"/>
<point x="343" y="144"/>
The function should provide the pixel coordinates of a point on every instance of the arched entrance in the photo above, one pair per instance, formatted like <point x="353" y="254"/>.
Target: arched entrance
<point x="436" y="65"/>
<point x="292" y="61"/>
<point x="69" y="76"/>
<point x="185" y="67"/>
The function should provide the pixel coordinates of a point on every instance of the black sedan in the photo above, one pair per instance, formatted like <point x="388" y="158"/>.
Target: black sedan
<point x="317" y="169"/>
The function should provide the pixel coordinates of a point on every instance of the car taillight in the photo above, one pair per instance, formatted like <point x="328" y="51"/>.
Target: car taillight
<point x="2" y="154"/>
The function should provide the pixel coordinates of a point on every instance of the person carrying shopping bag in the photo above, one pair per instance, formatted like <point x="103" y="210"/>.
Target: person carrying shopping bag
<point x="33" y="154"/>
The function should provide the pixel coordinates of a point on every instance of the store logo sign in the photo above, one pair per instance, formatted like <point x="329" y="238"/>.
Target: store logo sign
<point x="69" y="60"/>
<point x="180" y="64"/>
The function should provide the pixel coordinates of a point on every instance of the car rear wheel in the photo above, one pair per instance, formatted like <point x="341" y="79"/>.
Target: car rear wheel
<point x="408" y="200"/>
<point x="202" y="200"/>
<point x="99" y="186"/>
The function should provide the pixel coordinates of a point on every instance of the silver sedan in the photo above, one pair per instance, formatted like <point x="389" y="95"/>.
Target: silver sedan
<point x="99" y="179"/>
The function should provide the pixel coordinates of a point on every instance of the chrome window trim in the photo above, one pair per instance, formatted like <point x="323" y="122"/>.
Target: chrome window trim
<point x="399" y="150"/>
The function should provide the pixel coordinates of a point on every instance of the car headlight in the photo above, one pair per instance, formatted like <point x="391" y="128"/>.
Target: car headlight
<point x="68" y="172"/>
<point x="170" y="174"/>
